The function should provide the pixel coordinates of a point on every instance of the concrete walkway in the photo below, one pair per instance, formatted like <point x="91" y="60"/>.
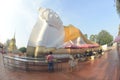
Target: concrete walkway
<point x="104" y="68"/>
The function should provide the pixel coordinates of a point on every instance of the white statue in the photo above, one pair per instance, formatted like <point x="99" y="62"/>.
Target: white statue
<point x="49" y="34"/>
<point x="48" y="30"/>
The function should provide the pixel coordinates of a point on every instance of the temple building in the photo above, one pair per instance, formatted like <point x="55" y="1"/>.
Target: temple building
<point x="12" y="45"/>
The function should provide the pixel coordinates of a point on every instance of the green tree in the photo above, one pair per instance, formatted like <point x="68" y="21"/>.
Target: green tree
<point x="93" y="38"/>
<point x="104" y="37"/>
<point x="86" y="35"/>
<point x="22" y="49"/>
<point x="118" y="6"/>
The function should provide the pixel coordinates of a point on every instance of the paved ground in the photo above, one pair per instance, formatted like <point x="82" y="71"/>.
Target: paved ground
<point x="103" y="68"/>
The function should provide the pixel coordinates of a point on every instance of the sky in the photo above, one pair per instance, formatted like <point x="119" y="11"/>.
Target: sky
<point x="90" y="16"/>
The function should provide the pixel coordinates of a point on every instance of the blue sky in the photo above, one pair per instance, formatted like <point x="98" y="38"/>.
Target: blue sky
<point x="90" y="16"/>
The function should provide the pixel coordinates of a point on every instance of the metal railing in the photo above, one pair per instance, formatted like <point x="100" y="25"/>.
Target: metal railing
<point x="29" y="64"/>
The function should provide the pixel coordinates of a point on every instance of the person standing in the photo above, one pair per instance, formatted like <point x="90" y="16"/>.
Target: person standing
<point x="50" y="62"/>
<point x="71" y="63"/>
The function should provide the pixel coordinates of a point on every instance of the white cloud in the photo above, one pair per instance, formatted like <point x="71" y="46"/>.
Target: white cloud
<point x="7" y="9"/>
<point x="19" y="16"/>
